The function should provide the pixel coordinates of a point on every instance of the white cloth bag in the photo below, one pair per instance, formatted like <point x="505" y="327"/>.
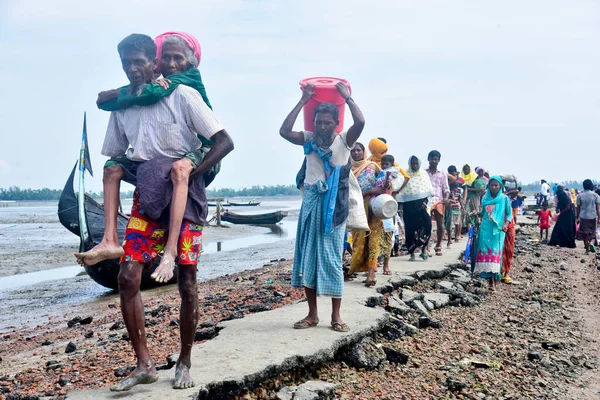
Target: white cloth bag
<point x="357" y="218"/>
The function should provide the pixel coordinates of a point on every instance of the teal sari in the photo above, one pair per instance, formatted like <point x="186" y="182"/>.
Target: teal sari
<point x="490" y="238"/>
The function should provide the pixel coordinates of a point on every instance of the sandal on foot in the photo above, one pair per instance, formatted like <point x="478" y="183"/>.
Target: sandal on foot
<point x="438" y="251"/>
<point x="340" y="327"/>
<point x="387" y="272"/>
<point x="507" y="280"/>
<point x="424" y="256"/>
<point x="412" y="258"/>
<point x="305" y="324"/>
<point x="369" y="283"/>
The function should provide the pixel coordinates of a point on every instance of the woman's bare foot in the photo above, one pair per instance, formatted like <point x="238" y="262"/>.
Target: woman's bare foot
<point x="101" y="252"/>
<point x="164" y="272"/>
<point x="137" y="377"/>
<point x="183" y="380"/>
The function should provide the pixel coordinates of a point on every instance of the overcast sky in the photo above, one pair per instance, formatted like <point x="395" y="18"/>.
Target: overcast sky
<point x="513" y="86"/>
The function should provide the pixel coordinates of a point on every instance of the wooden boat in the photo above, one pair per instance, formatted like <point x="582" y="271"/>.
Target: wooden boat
<point x="248" y="204"/>
<point x="254" y="219"/>
<point x="85" y="218"/>
<point x="210" y="204"/>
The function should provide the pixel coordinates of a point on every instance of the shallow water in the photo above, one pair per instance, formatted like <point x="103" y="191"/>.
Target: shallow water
<point x="30" y="298"/>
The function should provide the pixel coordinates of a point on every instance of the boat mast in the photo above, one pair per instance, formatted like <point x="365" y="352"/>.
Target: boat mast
<point x="84" y="234"/>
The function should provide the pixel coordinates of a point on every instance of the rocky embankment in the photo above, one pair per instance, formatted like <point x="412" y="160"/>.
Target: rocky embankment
<point x="446" y="337"/>
<point x="450" y="338"/>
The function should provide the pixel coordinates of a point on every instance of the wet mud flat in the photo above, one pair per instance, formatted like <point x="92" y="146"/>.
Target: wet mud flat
<point x="30" y="305"/>
<point x="88" y="346"/>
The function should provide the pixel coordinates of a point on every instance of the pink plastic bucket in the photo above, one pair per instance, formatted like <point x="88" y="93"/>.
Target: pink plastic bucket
<point x="325" y="92"/>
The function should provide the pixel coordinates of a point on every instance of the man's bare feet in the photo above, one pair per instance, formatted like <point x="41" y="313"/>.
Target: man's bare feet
<point x="164" y="271"/>
<point x="183" y="380"/>
<point x="137" y="377"/>
<point x="99" y="253"/>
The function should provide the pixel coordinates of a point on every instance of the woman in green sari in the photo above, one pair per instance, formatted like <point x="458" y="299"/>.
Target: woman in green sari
<point x="472" y="200"/>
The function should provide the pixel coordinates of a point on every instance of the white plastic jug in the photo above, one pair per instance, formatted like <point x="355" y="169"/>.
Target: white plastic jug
<point x="383" y="206"/>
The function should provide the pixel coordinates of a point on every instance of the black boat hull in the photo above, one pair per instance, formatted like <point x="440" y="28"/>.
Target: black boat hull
<point x="249" y="204"/>
<point x="256" y="219"/>
<point x="106" y="272"/>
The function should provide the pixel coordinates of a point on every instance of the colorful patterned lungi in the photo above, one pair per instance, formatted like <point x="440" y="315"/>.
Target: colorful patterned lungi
<point x="144" y="239"/>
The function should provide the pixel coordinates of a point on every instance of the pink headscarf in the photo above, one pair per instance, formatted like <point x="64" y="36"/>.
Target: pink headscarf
<point x="189" y="39"/>
<point x="487" y="180"/>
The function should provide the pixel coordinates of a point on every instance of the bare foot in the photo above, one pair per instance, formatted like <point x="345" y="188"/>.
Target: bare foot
<point x="164" y="271"/>
<point x="99" y="253"/>
<point x="137" y="377"/>
<point x="183" y="380"/>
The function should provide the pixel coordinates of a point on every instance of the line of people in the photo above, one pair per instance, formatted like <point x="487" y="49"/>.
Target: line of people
<point x="164" y="138"/>
<point x="431" y="198"/>
<point x="577" y="217"/>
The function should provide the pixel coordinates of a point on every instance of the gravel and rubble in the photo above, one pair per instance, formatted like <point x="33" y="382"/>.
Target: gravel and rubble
<point x="536" y="339"/>
<point x="447" y="336"/>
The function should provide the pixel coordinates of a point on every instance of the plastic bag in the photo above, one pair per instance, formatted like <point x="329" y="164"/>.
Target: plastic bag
<point x="388" y="225"/>
<point x="397" y="180"/>
<point x="357" y="218"/>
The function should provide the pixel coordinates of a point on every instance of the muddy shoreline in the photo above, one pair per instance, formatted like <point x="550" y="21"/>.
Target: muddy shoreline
<point x="20" y="256"/>
<point x="102" y="345"/>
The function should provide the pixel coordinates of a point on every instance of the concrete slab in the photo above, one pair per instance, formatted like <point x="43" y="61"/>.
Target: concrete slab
<point x="435" y="265"/>
<point x="263" y="345"/>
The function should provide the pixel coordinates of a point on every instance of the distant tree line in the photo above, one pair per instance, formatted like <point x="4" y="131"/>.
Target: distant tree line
<point x="255" y="191"/>
<point x="535" y="187"/>
<point x="16" y="193"/>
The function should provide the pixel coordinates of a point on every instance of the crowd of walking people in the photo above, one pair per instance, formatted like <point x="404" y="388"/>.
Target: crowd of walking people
<point x="431" y="200"/>
<point x="467" y="205"/>
<point x="164" y="137"/>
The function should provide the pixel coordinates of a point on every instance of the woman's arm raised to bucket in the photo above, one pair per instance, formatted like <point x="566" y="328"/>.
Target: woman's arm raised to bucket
<point x="357" y="115"/>
<point x="286" y="130"/>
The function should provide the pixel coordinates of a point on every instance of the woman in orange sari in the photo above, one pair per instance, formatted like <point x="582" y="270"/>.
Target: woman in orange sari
<point x="366" y="246"/>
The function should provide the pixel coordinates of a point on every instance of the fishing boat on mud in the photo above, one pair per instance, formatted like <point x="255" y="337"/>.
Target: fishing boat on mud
<point x="254" y="219"/>
<point x="247" y="204"/>
<point x="234" y="204"/>
<point x="84" y="217"/>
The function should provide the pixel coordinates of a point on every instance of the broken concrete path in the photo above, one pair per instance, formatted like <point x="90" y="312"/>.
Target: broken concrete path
<point x="263" y="345"/>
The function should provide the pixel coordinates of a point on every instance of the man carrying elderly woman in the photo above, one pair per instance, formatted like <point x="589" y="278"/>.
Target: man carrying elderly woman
<point x="159" y="148"/>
